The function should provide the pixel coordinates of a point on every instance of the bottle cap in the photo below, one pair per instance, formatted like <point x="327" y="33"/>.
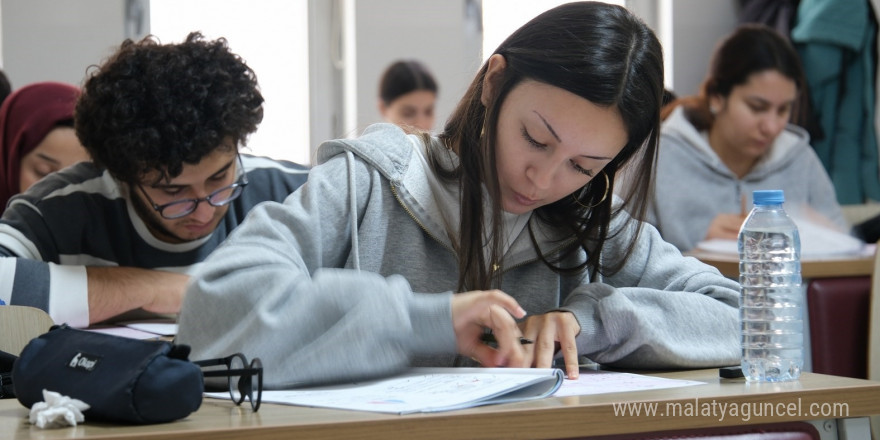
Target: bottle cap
<point x="768" y="197"/>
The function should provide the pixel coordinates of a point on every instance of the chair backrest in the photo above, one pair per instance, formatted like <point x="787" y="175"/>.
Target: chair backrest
<point x="874" y="334"/>
<point x="20" y="324"/>
<point x="839" y="326"/>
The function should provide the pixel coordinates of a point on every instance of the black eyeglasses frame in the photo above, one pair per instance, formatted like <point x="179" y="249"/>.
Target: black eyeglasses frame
<point x="245" y="377"/>
<point x="237" y="187"/>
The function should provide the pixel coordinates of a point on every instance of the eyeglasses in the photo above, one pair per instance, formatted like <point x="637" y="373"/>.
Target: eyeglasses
<point x="185" y="207"/>
<point x="244" y="378"/>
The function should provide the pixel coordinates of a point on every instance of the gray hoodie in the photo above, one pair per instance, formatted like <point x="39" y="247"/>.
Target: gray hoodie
<point x="352" y="276"/>
<point x="693" y="186"/>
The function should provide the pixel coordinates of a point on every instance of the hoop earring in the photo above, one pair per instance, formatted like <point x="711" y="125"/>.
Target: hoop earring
<point x="604" y="196"/>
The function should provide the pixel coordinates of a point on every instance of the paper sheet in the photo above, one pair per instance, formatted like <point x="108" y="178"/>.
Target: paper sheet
<point x="600" y="382"/>
<point x="145" y="329"/>
<point x="122" y="331"/>
<point x="816" y="241"/>
<point x="157" y="327"/>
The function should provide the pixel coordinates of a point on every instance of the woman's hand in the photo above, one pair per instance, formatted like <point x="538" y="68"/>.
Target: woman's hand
<point x="552" y="332"/>
<point x="725" y="226"/>
<point x="475" y="311"/>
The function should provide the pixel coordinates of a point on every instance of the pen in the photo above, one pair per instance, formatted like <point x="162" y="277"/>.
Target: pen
<point x="488" y="338"/>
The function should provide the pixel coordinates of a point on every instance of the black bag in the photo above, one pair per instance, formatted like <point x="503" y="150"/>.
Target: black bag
<point x="6" y="362"/>
<point x="121" y="379"/>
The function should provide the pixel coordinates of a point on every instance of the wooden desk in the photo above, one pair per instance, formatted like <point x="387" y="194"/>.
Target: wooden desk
<point x="826" y="267"/>
<point x="562" y="417"/>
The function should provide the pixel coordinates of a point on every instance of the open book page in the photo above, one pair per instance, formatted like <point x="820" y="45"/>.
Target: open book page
<point x="426" y="390"/>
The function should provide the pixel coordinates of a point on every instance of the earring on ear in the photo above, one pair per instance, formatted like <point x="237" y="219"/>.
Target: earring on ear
<point x="713" y="110"/>
<point x="604" y="196"/>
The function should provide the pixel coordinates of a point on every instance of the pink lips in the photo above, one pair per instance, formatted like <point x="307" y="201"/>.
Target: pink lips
<point x="198" y="228"/>
<point x="522" y="200"/>
<point x="762" y="143"/>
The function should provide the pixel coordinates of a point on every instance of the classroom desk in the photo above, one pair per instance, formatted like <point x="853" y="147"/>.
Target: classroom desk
<point x="562" y="417"/>
<point x="825" y="267"/>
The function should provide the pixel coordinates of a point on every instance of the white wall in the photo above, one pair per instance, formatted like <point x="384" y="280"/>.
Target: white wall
<point x="57" y="40"/>
<point x="271" y="36"/>
<point x="435" y="32"/>
<point x="697" y="25"/>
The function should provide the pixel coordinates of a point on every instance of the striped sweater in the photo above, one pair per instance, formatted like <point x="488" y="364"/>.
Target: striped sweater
<point x="82" y="217"/>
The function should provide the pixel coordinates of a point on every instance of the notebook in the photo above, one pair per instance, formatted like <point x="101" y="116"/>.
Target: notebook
<point x="422" y="390"/>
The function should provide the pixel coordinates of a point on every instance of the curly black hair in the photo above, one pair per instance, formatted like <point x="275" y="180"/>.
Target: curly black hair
<point x="153" y="107"/>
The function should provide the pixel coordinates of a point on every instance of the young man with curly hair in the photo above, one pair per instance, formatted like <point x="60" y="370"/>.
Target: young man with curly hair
<point x="163" y="125"/>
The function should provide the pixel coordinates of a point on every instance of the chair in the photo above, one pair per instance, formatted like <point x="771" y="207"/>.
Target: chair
<point x="837" y="309"/>
<point x="845" y="327"/>
<point x="874" y="335"/>
<point x="20" y="324"/>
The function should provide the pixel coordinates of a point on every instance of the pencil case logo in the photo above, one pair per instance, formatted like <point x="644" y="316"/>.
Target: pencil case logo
<point x="84" y="361"/>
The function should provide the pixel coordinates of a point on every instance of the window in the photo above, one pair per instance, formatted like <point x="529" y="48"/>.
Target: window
<point x="272" y="37"/>
<point x="502" y="17"/>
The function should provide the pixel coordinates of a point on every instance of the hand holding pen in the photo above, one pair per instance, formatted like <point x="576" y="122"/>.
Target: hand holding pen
<point x="488" y="338"/>
<point x="476" y="311"/>
<point x="554" y="333"/>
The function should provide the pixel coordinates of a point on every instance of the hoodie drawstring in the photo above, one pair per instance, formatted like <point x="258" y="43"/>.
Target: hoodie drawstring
<point x="352" y="206"/>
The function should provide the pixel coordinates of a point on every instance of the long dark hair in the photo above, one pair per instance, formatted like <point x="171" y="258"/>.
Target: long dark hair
<point x="751" y="48"/>
<point x="600" y="52"/>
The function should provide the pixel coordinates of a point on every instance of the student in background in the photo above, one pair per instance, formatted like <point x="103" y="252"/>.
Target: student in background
<point x="37" y="136"/>
<point x="402" y="249"/>
<point x="5" y="86"/>
<point x="407" y="95"/>
<point x="735" y="137"/>
<point x="163" y="125"/>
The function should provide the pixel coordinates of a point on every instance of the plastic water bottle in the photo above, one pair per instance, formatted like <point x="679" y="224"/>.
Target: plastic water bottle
<point x="771" y="315"/>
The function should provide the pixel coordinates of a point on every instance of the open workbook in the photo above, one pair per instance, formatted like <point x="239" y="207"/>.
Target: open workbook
<point x="426" y="390"/>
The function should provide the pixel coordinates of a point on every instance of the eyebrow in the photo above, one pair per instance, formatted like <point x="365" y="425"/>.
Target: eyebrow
<point x="48" y="159"/>
<point x="553" y="132"/>
<point x="761" y="100"/>
<point x="220" y="171"/>
<point x="549" y="127"/>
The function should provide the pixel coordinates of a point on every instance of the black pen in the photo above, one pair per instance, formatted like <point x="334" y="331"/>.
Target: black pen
<point x="488" y="338"/>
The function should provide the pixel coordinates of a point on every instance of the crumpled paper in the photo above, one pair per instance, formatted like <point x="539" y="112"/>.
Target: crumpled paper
<point x="57" y="411"/>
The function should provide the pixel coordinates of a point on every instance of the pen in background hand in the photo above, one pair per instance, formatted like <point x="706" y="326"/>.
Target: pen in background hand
<point x="488" y="338"/>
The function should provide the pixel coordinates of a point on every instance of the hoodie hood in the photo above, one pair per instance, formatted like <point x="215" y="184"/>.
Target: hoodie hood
<point x="785" y="149"/>
<point x="393" y="154"/>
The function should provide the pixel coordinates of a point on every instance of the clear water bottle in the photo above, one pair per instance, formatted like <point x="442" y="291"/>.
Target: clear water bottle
<point x="771" y="313"/>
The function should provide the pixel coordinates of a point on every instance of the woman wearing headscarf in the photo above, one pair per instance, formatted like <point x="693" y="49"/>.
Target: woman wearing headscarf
<point x="36" y="136"/>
